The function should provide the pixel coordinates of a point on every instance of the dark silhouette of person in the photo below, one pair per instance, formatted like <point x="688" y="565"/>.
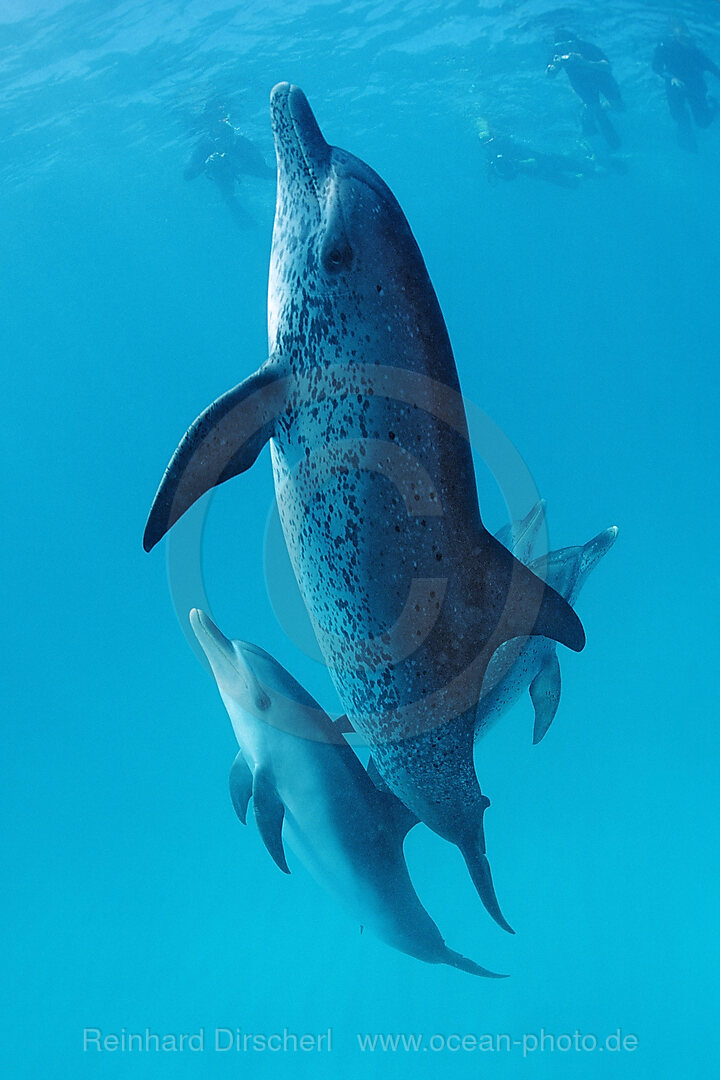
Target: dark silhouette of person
<point x="589" y="73"/>
<point x="682" y="65"/>
<point x="223" y="154"/>
<point x="508" y="159"/>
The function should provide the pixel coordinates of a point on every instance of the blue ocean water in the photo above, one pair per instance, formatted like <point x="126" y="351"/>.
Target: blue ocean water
<point x="585" y="324"/>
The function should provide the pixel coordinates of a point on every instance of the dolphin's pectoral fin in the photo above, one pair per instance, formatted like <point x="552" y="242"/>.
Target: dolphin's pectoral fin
<point x="269" y="814"/>
<point x="529" y="606"/>
<point x="241" y="785"/>
<point x="545" y="694"/>
<point x="224" y="440"/>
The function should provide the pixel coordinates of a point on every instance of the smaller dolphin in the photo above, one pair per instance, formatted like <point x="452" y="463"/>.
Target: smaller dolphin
<point x="309" y="787"/>
<point x="532" y="663"/>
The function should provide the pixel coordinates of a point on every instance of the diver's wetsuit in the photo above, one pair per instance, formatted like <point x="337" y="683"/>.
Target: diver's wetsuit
<point x="590" y="76"/>
<point x="683" y="66"/>
<point x="223" y="154"/>
<point x="507" y="160"/>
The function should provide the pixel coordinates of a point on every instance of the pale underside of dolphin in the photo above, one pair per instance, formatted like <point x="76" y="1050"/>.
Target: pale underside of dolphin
<point x="532" y="664"/>
<point x="409" y="594"/>
<point x="309" y="788"/>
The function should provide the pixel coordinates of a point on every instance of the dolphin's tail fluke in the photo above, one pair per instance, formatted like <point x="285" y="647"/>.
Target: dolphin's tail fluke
<point x="479" y="868"/>
<point x="472" y="849"/>
<point x="457" y="960"/>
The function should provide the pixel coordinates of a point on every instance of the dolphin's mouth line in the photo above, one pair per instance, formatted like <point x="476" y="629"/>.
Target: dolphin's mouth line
<point x="206" y="631"/>
<point x="294" y="145"/>
<point x="301" y="146"/>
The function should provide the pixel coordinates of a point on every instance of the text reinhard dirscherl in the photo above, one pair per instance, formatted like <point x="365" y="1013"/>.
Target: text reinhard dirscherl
<point x="217" y="1040"/>
<point x="224" y="1039"/>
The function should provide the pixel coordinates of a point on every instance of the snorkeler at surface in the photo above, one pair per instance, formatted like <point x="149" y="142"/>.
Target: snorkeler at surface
<point x="508" y="159"/>
<point x="682" y="65"/>
<point x="223" y="155"/>
<point x="588" y="70"/>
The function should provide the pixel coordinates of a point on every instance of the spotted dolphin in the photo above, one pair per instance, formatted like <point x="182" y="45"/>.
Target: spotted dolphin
<point x="533" y="664"/>
<point x="309" y="788"/>
<point x="409" y="594"/>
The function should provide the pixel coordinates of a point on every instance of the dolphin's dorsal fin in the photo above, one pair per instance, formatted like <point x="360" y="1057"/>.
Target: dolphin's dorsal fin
<point x="529" y="606"/>
<point x="269" y="815"/>
<point x="241" y="785"/>
<point x="224" y="441"/>
<point x="545" y="694"/>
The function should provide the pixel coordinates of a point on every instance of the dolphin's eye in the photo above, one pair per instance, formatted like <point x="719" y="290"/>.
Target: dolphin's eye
<point x="336" y="257"/>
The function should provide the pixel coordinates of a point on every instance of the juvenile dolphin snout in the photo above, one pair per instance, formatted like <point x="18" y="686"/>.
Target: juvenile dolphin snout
<point x="227" y="664"/>
<point x="206" y="630"/>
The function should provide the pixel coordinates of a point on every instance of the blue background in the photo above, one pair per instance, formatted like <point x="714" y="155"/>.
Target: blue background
<point x="585" y="323"/>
